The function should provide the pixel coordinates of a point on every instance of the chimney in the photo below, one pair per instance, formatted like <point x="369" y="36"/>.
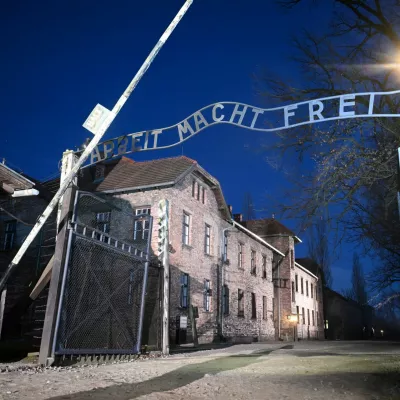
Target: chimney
<point x="238" y="217"/>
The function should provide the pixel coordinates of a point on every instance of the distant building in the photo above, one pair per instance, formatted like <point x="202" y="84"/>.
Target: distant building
<point x="297" y="290"/>
<point x="17" y="216"/>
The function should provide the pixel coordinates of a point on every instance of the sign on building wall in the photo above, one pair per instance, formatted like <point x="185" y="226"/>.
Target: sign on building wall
<point x="360" y="105"/>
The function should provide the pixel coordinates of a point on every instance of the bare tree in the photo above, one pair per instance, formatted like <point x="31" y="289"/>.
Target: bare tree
<point x="248" y="207"/>
<point x="354" y="163"/>
<point x="357" y="291"/>
<point x="320" y="250"/>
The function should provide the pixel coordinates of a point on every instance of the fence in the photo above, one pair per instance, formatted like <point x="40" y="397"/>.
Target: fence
<point x="103" y="304"/>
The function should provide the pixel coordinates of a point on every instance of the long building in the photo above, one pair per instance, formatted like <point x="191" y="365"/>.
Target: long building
<point x="241" y="277"/>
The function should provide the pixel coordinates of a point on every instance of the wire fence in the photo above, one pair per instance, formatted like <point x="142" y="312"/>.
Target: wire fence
<point x="103" y="297"/>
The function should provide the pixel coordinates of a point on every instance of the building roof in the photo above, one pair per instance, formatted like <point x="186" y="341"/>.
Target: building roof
<point x="309" y="264"/>
<point x="11" y="180"/>
<point x="267" y="227"/>
<point x="127" y="173"/>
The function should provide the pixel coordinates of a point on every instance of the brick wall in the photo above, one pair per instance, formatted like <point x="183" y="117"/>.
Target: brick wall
<point x="191" y="259"/>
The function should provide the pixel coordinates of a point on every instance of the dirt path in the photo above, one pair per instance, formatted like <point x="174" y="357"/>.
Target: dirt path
<point x="314" y="370"/>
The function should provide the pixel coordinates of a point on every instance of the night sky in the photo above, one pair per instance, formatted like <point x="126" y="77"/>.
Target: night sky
<point x="60" y="58"/>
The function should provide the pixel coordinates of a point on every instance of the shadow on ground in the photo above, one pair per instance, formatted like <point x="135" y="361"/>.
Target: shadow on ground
<point x="172" y="380"/>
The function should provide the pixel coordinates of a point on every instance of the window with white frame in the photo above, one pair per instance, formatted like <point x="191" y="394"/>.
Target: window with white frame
<point x="240" y="255"/>
<point x="142" y="225"/>
<point x="225" y="255"/>
<point x="265" y="305"/>
<point x="184" y="290"/>
<point x="207" y="239"/>
<point x="264" y="266"/>
<point x="253" y="263"/>
<point x="185" y="228"/>
<point x="9" y="234"/>
<point x="207" y="295"/>
<point x="103" y="224"/>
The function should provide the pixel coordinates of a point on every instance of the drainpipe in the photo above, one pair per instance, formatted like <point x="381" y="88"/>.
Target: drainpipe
<point x="279" y="302"/>
<point x="221" y="313"/>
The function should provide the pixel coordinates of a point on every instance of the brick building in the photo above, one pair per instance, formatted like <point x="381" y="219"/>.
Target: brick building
<point x="17" y="216"/>
<point x="240" y="275"/>
<point x="297" y="290"/>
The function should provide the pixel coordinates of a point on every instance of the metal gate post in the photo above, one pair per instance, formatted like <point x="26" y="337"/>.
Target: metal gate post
<point x="46" y="346"/>
<point x="144" y="289"/>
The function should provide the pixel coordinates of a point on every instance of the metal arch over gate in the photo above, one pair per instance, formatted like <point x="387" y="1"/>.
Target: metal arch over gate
<point x="359" y="105"/>
<point x="102" y="304"/>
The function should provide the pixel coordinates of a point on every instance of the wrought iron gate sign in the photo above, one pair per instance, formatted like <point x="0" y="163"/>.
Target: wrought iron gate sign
<point x="360" y="105"/>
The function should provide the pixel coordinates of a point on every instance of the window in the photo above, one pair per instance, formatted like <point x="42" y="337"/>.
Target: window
<point x="102" y="224"/>
<point x="316" y="292"/>
<point x="185" y="228"/>
<point x="203" y="195"/>
<point x="240" y="255"/>
<point x="225" y="300"/>
<point x="130" y="287"/>
<point x="253" y="263"/>
<point x="296" y="279"/>
<point x="308" y="316"/>
<point x="193" y="188"/>
<point x="313" y="320"/>
<point x="298" y="314"/>
<point x="306" y="288"/>
<point x="184" y="290"/>
<point x="9" y="234"/>
<point x="293" y="298"/>
<point x="142" y="224"/>
<point x="265" y="304"/>
<point x="207" y="295"/>
<point x="198" y="191"/>
<point x="312" y="290"/>
<point x="301" y="285"/>
<point x="207" y="239"/>
<point x="253" y="306"/>
<point x="304" y="315"/>
<point x="292" y="258"/>
<point x="240" y="303"/>
<point x="317" y="319"/>
<point x="264" y="267"/>
<point x="225" y="246"/>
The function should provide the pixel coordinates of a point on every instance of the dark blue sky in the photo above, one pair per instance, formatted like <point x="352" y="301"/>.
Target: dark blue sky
<point x="60" y="58"/>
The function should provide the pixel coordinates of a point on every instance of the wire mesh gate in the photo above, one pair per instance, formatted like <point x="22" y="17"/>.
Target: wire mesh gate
<point x="103" y="293"/>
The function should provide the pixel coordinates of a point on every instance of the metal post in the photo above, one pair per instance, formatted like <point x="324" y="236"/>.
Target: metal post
<point x="100" y="119"/>
<point x="46" y="345"/>
<point x="165" y="263"/>
<point x="2" y="307"/>
<point x="143" y="297"/>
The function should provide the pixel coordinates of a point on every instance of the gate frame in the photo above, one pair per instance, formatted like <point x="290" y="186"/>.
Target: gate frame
<point x="71" y="227"/>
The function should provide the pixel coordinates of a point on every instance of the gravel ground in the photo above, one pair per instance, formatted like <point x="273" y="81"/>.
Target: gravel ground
<point x="305" y="370"/>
